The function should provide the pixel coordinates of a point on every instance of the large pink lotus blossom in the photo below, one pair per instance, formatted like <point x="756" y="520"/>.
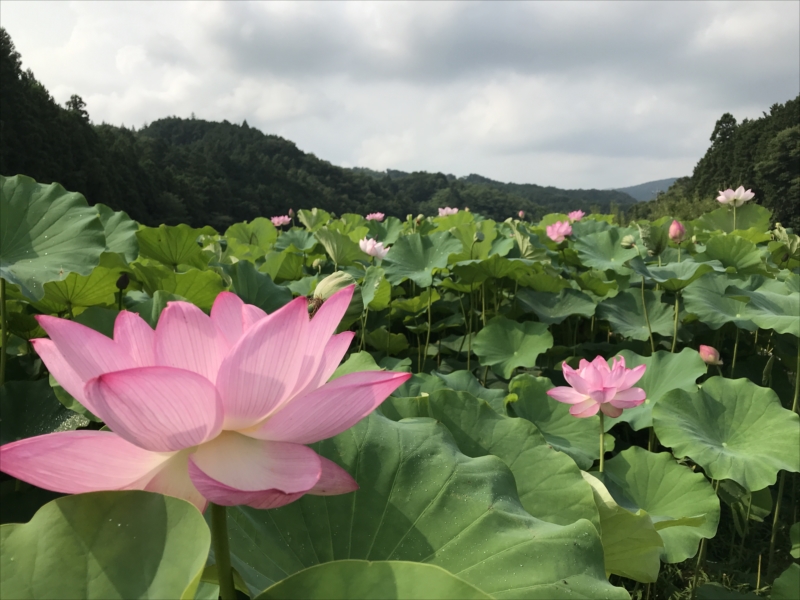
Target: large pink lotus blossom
<point x="215" y="408"/>
<point x="735" y="198"/>
<point x="576" y="215"/>
<point x="677" y="232"/>
<point x="559" y="231"/>
<point x="596" y="386"/>
<point x="281" y="220"/>
<point x="373" y="248"/>
<point x="376" y="216"/>
<point x="447" y="211"/>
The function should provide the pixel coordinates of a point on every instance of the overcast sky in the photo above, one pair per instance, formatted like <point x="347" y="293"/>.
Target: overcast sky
<point x="569" y="94"/>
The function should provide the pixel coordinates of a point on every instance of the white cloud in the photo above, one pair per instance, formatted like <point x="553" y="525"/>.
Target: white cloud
<point x="573" y="94"/>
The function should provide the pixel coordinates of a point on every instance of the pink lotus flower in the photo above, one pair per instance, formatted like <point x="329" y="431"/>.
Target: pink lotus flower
<point x="521" y="214"/>
<point x="447" y="211"/>
<point x="710" y="355"/>
<point x="282" y="220"/>
<point x="735" y="198"/>
<point x="596" y="386"/>
<point x="677" y="232"/>
<point x="559" y="231"/>
<point x="376" y="216"/>
<point x="576" y="215"/>
<point x="373" y="248"/>
<point x="215" y="408"/>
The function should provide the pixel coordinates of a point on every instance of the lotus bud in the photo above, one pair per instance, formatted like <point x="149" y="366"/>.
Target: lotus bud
<point x="318" y="262"/>
<point x="466" y="209"/>
<point x="123" y="281"/>
<point x="478" y="237"/>
<point x="291" y="213"/>
<point x="677" y="232"/>
<point x="521" y="214"/>
<point x="332" y="284"/>
<point x="710" y="355"/>
<point x="628" y="242"/>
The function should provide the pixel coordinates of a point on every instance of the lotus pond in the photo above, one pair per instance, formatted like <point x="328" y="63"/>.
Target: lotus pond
<point x="564" y="409"/>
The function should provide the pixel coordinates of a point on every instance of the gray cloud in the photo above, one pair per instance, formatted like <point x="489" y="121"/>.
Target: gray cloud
<point x="574" y="94"/>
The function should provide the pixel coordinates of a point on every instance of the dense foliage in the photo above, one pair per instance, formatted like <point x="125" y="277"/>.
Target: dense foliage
<point x="474" y="483"/>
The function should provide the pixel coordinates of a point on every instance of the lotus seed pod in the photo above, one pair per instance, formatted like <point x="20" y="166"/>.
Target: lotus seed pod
<point x="478" y="237"/>
<point x="628" y="242"/>
<point x="123" y="281"/>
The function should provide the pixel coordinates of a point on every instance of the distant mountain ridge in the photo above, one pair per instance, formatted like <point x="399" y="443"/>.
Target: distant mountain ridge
<point x="648" y="190"/>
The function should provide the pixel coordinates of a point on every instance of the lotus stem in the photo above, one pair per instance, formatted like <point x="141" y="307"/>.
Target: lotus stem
<point x="602" y="442"/>
<point x="679" y="253"/>
<point x="222" y="553"/>
<point x="782" y="481"/>
<point x="675" y="325"/>
<point x="428" y="334"/>
<point x="483" y="303"/>
<point x="735" y="350"/>
<point x="651" y="440"/>
<point x="700" y="556"/>
<point x="734" y="217"/>
<point x="647" y="320"/>
<point x="4" y="333"/>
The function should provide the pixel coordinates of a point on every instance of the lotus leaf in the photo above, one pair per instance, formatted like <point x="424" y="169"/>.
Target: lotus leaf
<point x="505" y="345"/>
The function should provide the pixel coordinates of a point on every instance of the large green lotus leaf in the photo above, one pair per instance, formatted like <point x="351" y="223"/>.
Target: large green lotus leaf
<point x="787" y="583"/>
<point x="505" y="345"/>
<point x="371" y="286"/>
<point x="471" y="248"/>
<point x="384" y="341"/>
<point x="494" y="267"/>
<point x="196" y="286"/>
<point x="414" y="257"/>
<point x="120" y="231"/>
<point x="296" y="240"/>
<point x="736" y="254"/>
<point x="595" y="282"/>
<point x="549" y="484"/>
<point x="450" y="221"/>
<point x="258" y="288"/>
<point x="417" y="304"/>
<point x="260" y="232"/>
<point x="365" y="580"/>
<point x="555" y="308"/>
<point x="97" y="288"/>
<point x="421" y="500"/>
<point x="716" y="591"/>
<point x="625" y="313"/>
<point x="602" y="251"/>
<point x="313" y="219"/>
<point x="747" y="216"/>
<point x="734" y="429"/>
<point x="129" y="544"/>
<point x="770" y="309"/>
<point x="706" y="299"/>
<point x="665" y="371"/>
<point x="681" y="503"/>
<point x="755" y="506"/>
<point x="30" y="408"/>
<point x="577" y="438"/>
<point x="631" y="544"/>
<point x="150" y="308"/>
<point x="386" y="232"/>
<point x="45" y="233"/>
<point x="356" y="362"/>
<point x="465" y="381"/>
<point x="540" y="279"/>
<point x="342" y="250"/>
<point x="674" y="276"/>
<point x="173" y="245"/>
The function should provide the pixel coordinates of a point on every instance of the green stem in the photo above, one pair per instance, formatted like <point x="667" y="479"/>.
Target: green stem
<point x="4" y="333"/>
<point x="363" y="329"/>
<point x="469" y="331"/>
<point x="222" y="553"/>
<point x="602" y="442"/>
<point x="647" y="320"/>
<point x="675" y="325"/>
<point x="651" y="440"/>
<point x="428" y="335"/>
<point x="735" y="350"/>
<point x="700" y="556"/>
<point x="734" y="217"/>
<point x="483" y="304"/>
<point x="679" y="253"/>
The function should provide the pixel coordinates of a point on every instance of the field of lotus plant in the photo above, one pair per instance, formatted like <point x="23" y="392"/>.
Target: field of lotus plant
<point x="339" y="406"/>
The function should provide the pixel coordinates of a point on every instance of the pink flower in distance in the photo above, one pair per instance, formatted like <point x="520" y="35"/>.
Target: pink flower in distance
<point x="373" y="248"/>
<point x="596" y="386"/>
<point x="282" y="220"/>
<point x="735" y="198"/>
<point x="376" y="216"/>
<point x="710" y="355"/>
<point x="215" y="408"/>
<point x="521" y="214"/>
<point x="558" y="231"/>
<point x="447" y="211"/>
<point x="677" y="232"/>
<point x="576" y="215"/>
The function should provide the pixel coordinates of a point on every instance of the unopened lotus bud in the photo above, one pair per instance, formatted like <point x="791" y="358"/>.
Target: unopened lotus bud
<point x="466" y="209"/>
<point x="521" y="214"/>
<point x="677" y="232"/>
<point x="710" y="355"/>
<point x="123" y="281"/>
<point x="291" y="213"/>
<point x="694" y="239"/>
<point x="478" y="237"/>
<point x="332" y="284"/>
<point x="318" y="262"/>
<point x="628" y="242"/>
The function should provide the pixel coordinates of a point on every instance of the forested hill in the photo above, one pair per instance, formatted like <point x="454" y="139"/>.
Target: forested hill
<point x="762" y="154"/>
<point x="199" y="172"/>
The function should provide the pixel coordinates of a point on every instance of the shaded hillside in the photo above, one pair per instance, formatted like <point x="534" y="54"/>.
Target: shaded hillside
<point x="649" y="190"/>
